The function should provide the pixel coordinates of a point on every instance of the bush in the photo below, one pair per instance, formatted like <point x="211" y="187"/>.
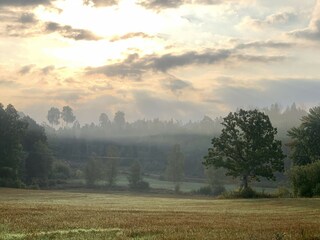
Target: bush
<point x="305" y="179"/>
<point x="206" y="190"/>
<point x="60" y="170"/>
<point x="140" y="186"/>
<point x="210" y="191"/>
<point x="245" y="193"/>
<point x="218" y="190"/>
<point x="283" y="192"/>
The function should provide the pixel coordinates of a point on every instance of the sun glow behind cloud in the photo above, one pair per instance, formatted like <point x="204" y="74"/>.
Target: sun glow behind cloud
<point x="106" y="23"/>
<point x="194" y="58"/>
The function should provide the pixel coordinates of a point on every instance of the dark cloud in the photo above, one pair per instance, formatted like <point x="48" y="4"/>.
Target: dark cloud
<point x="23" y="3"/>
<point x="161" y="4"/>
<point x="176" y="85"/>
<point x="69" y="32"/>
<point x="46" y="70"/>
<point x="264" y="44"/>
<point x="101" y="3"/>
<point x="134" y="66"/>
<point x="158" y="5"/>
<point x="130" y="35"/>
<point x="27" y="18"/>
<point x="26" y="69"/>
<point x="259" y="58"/>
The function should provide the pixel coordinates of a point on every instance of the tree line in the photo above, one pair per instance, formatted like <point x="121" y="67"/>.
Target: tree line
<point x="246" y="145"/>
<point x="25" y="157"/>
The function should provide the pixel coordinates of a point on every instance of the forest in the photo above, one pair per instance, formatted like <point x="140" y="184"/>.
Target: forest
<point x="54" y="153"/>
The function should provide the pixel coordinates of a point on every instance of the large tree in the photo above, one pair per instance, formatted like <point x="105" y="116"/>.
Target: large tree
<point x="247" y="148"/>
<point x="305" y="144"/>
<point x="119" y="120"/>
<point x="67" y="115"/>
<point x="12" y="130"/>
<point x="54" y="116"/>
<point x="104" y="120"/>
<point x="38" y="155"/>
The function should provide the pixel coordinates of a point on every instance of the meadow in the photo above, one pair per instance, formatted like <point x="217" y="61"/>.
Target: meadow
<point x="39" y="214"/>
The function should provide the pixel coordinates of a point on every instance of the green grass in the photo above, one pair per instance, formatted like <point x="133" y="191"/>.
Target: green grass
<point x="37" y="214"/>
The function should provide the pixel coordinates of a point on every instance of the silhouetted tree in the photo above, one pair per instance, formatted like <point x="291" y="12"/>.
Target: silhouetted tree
<point x="67" y="115"/>
<point x="247" y="147"/>
<point x="38" y="164"/>
<point x="119" y="120"/>
<point x="38" y="155"/>
<point x="104" y="120"/>
<point x="53" y="116"/>
<point x="12" y="130"/>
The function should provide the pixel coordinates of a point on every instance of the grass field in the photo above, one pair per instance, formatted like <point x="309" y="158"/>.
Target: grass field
<point x="35" y="214"/>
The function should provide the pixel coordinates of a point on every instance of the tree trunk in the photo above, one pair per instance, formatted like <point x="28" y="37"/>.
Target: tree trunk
<point x="244" y="184"/>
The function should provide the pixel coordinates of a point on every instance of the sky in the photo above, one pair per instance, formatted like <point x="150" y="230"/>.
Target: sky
<point x="179" y="59"/>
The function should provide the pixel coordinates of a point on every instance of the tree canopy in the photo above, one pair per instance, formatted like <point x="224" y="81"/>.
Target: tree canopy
<point x="305" y="142"/>
<point x="247" y="147"/>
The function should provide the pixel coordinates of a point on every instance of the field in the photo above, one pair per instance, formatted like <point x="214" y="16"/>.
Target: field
<point x="35" y="214"/>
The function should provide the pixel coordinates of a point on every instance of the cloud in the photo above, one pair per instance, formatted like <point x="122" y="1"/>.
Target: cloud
<point x="277" y="19"/>
<point x="101" y="3"/>
<point x="150" y="106"/>
<point x="26" y="69"/>
<point x="46" y="70"/>
<point x="264" y="44"/>
<point x="312" y="32"/>
<point x="161" y="4"/>
<point x="23" y="3"/>
<point x="131" y="35"/>
<point x="176" y="85"/>
<point x="134" y="66"/>
<point x="284" y="91"/>
<point x="27" y="18"/>
<point x="158" y="5"/>
<point x="8" y="83"/>
<point x="69" y="32"/>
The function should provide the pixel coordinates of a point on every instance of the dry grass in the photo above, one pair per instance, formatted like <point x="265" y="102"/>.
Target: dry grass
<point x="27" y="214"/>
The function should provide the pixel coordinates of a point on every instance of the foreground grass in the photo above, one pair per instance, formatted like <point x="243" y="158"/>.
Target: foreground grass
<point x="28" y="214"/>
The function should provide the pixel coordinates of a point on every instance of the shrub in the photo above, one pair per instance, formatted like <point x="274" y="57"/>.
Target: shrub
<point x="245" y="193"/>
<point x="218" y="190"/>
<point x="305" y="179"/>
<point x="140" y="186"/>
<point x="61" y="170"/>
<point x="206" y="190"/>
<point x="283" y="192"/>
<point x="210" y="191"/>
